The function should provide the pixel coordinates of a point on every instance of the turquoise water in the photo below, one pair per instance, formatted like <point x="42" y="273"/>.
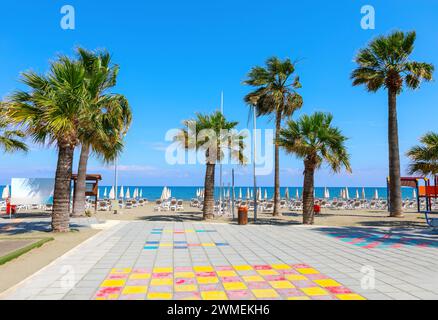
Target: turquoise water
<point x="187" y="193"/>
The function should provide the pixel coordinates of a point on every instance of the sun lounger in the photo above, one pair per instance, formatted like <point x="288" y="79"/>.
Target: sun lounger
<point x="158" y="206"/>
<point x="179" y="206"/>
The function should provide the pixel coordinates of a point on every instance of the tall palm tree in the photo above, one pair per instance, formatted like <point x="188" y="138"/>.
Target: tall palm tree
<point x="212" y="135"/>
<point x="424" y="157"/>
<point x="109" y="117"/>
<point x="10" y="138"/>
<point x="276" y="95"/>
<point x="385" y="64"/>
<point x="314" y="139"/>
<point x="51" y="112"/>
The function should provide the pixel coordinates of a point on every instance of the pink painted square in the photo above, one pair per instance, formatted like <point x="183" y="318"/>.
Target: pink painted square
<point x="231" y="279"/>
<point x="288" y="271"/>
<point x="258" y="285"/>
<point x="162" y="275"/>
<point x="117" y="276"/>
<point x="239" y="295"/>
<point x="275" y="278"/>
<point x="186" y="296"/>
<point x="210" y="287"/>
<point x="303" y="284"/>
<point x="206" y="274"/>
<point x="182" y="281"/>
<point x="104" y="292"/>
<point x="338" y="290"/>
<point x="263" y="267"/>
<point x="290" y="292"/>
<point x="224" y="268"/>
<point x="300" y="266"/>
<point x="317" y="276"/>
<point x="183" y="269"/>
<point x="194" y="244"/>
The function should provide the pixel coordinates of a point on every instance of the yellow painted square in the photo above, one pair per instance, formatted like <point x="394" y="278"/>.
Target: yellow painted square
<point x="184" y="274"/>
<point x="281" y="285"/>
<point x="214" y="295"/>
<point x="168" y="231"/>
<point x="190" y="230"/>
<point x="203" y="269"/>
<point x="298" y="298"/>
<point x="121" y="270"/>
<point x="295" y="277"/>
<point x="186" y="288"/>
<point x="112" y="296"/>
<point x="267" y="272"/>
<point x="139" y="276"/>
<point x="314" y="291"/>
<point x="166" y="244"/>
<point x="307" y="271"/>
<point x="113" y="283"/>
<point x="230" y="286"/>
<point x="207" y="280"/>
<point x="162" y="282"/>
<point x="327" y="283"/>
<point x="135" y="289"/>
<point x="226" y="273"/>
<point x="253" y="279"/>
<point x="265" y="293"/>
<point x="350" y="296"/>
<point x="163" y="270"/>
<point x="208" y="244"/>
<point x="243" y="268"/>
<point x="281" y="266"/>
<point x="160" y="295"/>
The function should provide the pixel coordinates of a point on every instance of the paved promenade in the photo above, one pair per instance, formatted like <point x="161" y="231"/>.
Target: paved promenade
<point x="159" y="260"/>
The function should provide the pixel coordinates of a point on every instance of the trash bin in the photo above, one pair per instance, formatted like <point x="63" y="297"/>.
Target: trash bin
<point x="317" y="209"/>
<point x="242" y="216"/>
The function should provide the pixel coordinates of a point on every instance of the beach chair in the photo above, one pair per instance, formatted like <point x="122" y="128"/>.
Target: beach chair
<point x="48" y="207"/>
<point x="269" y="208"/>
<point x="158" y="206"/>
<point x="282" y="204"/>
<point x="179" y="205"/>
<point x="173" y="205"/>
<point x="129" y="205"/>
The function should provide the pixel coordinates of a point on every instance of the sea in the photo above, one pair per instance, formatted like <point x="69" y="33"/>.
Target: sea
<point x="187" y="193"/>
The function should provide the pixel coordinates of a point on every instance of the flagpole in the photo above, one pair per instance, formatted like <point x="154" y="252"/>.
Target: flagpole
<point x="254" y="163"/>
<point x="220" y="163"/>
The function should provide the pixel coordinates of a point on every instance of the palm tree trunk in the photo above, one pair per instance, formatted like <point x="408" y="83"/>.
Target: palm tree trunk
<point x="61" y="194"/>
<point x="208" y="210"/>
<point x="79" y="195"/>
<point x="277" y="166"/>
<point x="394" y="157"/>
<point x="308" y="197"/>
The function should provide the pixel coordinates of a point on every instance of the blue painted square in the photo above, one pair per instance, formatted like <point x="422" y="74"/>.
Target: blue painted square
<point x="219" y="244"/>
<point x="153" y="242"/>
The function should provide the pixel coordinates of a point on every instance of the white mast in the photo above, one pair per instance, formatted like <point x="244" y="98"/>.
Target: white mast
<point x="220" y="163"/>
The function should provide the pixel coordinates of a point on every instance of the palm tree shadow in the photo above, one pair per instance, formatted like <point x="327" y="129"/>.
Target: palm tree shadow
<point x="29" y="227"/>
<point x="378" y="237"/>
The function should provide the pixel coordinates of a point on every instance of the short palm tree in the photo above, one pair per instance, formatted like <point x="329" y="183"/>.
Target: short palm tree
<point x="385" y="64"/>
<point x="212" y="135"/>
<point x="276" y="95"/>
<point x="51" y="111"/>
<point x="11" y="139"/>
<point x="424" y="157"/>
<point x="314" y="139"/>
<point x="109" y="117"/>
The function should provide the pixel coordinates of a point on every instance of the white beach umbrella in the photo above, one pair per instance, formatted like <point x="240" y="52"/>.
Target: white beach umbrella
<point x="341" y="195"/>
<point x="111" y="193"/>
<point x="128" y="194"/>
<point x="347" y="193"/>
<point x="248" y="193"/>
<point x="252" y="194"/>
<point x="363" y="194"/>
<point x="286" y="194"/>
<point x="164" y="194"/>
<point x="98" y="193"/>
<point x="240" y="193"/>
<point x="197" y="193"/>
<point x="297" y="195"/>
<point x="122" y="193"/>
<point x="414" y="194"/>
<point x="376" y="195"/>
<point x="357" y="193"/>
<point x="228" y="194"/>
<point x="266" y="194"/>
<point x="105" y="194"/>
<point x="5" y="193"/>
<point x="141" y="193"/>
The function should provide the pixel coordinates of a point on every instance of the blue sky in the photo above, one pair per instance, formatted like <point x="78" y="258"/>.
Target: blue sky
<point x="177" y="56"/>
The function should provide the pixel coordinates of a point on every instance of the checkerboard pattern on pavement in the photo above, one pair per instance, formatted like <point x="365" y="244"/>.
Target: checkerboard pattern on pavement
<point x="248" y="282"/>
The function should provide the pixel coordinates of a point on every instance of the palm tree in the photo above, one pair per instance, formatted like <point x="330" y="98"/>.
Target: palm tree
<point x="314" y="139"/>
<point x="212" y="135"/>
<point x="424" y="157"/>
<point x="51" y="112"/>
<point x="275" y="94"/>
<point x="385" y="63"/>
<point x="10" y="139"/>
<point x="109" y="117"/>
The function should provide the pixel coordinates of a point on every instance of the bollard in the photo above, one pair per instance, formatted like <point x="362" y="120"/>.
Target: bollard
<point x="242" y="216"/>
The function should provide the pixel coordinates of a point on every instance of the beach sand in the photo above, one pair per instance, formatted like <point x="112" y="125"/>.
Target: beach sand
<point x="328" y="217"/>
